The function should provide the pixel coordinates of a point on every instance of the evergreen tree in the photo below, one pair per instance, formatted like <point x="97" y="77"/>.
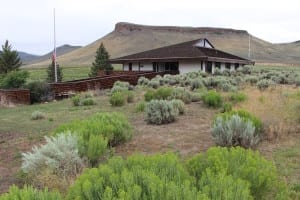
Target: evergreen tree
<point x="51" y="73"/>
<point x="101" y="61"/>
<point x="9" y="59"/>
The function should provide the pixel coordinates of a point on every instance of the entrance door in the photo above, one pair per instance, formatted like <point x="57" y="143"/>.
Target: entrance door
<point x="130" y="67"/>
<point x="209" y="67"/>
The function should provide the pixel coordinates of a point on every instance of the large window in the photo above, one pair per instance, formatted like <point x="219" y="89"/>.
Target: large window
<point x="218" y="65"/>
<point x="227" y="65"/>
<point x="236" y="65"/>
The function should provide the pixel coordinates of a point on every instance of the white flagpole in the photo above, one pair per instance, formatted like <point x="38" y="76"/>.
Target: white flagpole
<point x="54" y="57"/>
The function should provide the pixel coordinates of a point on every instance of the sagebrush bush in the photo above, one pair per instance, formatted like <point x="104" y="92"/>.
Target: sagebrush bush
<point x="29" y="193"/>
<point x="234" y="131"/>
<point x="143" y="81"/>
<point x="140" y="106"/>
<point x="36" y="115"/>
<point x="246" y="116"/>
<point x="182" y="94"/>
<point x="117" y="99"/>
<point x="237" y="163"/>
<point x="153" y="84"/>
<point x="237" y="97"/>
<point x="178" y="105"/>
<point x="213" y="99"/>
<point x="60" y="155"/>
<point x="138" y="177"/>
<point x="264" y="84"/>
<point x="196" y="97"/>
<point x="160" y="112"/>
<point x="196" y="84"/>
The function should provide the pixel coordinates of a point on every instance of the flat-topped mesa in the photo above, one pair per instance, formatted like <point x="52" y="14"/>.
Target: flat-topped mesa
<point x="124" y="27"/>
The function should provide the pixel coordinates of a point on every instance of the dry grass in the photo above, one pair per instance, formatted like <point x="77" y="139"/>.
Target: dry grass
<point x="276" y="108"/>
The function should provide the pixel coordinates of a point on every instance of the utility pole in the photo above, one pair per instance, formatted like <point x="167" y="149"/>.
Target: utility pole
<point x="54" y="52"/>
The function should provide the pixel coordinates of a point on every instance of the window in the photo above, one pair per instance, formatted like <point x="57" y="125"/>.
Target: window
<point x="227" y="65"/>
<point x="236" y="65"/>
<point x="218" y="65"/>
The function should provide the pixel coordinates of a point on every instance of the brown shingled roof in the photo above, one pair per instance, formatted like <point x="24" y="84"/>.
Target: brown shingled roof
<point x="182" y="51"/>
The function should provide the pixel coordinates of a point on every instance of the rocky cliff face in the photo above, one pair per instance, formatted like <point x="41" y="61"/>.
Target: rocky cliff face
<point x="124" y="27"/>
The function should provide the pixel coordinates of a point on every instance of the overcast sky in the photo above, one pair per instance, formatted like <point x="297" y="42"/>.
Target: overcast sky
<point x="28" y="24"/>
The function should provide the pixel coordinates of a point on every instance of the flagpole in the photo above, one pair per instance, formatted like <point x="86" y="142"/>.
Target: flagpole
<point x="54" y="53"/>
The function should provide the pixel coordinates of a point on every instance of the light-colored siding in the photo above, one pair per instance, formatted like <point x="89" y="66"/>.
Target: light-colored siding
<point x="135" y="67"/>
<point x="185" y="67"/>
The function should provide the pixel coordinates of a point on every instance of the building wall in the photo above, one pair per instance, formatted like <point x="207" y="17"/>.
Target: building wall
<point x="185" y="66"/>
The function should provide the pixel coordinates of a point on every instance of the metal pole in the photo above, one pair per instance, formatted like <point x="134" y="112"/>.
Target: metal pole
<point x="54" y="57"/>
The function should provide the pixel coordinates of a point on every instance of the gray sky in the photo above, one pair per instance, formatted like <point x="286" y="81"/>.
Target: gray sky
<point x="28" y="24"/>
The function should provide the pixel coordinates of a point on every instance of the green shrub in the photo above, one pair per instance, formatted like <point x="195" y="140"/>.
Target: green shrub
<point x="163" y="93"/>
<point x="29" y="193"/>
<point x="88" y="102"/>
<point x="39" y="91"/>
<point x="227" y="107"/>
<point x="140" y="107"/>
<point x="83" y="100"/>
<point x="182" y="94"/>
<point x="234" y="131"/>
<point x="149" y="95"/>
<point x="117" y="99"/>
<point x="14" y="79"/>
<point x="246" y="116"/>
<point x="112" y="126"/>
<point x="59" y="156"/>
<point x="160" y="112"/>
<point x="76" y="100"/>
<point x="178" y="105"/>
<point x="237" y="97"/>
<point x="36" y="115"/>
<point x="213" y="99"/>
<point x="130" y="97"/>
<point x="237" y="163"/>
<point x="138" y="177"/>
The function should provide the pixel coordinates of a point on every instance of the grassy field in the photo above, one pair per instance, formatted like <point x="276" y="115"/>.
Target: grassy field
<point x="69" y="73"/>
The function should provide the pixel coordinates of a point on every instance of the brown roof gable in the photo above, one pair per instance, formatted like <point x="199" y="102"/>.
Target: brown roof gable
<point x="183" y="51"/>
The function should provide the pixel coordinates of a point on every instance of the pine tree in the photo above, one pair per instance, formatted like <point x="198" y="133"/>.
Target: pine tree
<point x="9" y="59"/>
<point x="101" y="61"/>
<point x="51" y="73"/>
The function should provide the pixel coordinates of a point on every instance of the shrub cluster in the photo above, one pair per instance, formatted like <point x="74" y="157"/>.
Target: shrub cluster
<point x="160" y="112"/>
<point x="14" y="79"/>
<point x="83" y="100"/>
<point x="39" y="91"/>
<point x="182" y="94"/>
<point x="162" y="93"/>
<point x="29" y="193"/>
<point x="120" y="86"/>
<point x="213" y="99"/>
<point x="117" y="99"/>
<point x="237" y="97"/>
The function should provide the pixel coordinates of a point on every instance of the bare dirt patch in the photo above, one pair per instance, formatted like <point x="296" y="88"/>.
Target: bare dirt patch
<point x="190" y="134"/>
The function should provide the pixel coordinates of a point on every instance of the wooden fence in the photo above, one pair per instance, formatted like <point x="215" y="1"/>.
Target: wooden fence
<point x="14" y="96"/>
<point x="101" y="82"/>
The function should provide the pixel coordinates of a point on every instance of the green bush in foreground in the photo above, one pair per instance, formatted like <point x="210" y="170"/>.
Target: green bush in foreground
<point x="138" y="177"/>
<point x="160" y="112"/>
<point x="237" y="97"/>
<point x="29" y="193"/>
<point x="244" y="166"/>
<point x="117" y="99"/>
<point x="213" y="99"/>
